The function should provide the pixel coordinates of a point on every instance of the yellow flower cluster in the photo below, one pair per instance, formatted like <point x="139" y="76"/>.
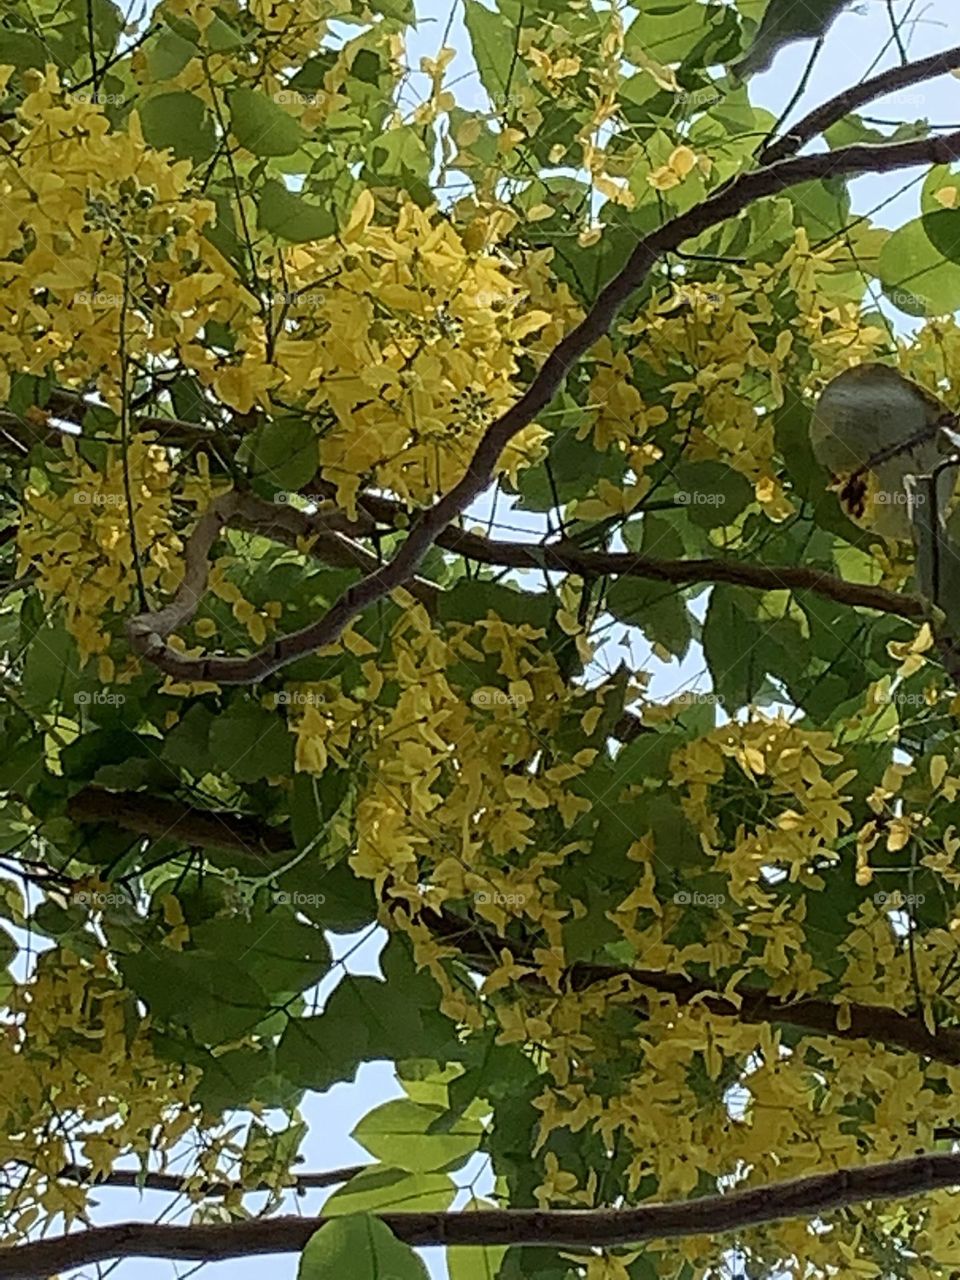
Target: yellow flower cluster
<point x="449" y="787"/>
<point x="415" y="349"/>
<point x="76" y="536"/>
<point x="404" y="337"/>
<point x="95" y="228"/>
<point x="82" y="1080"/>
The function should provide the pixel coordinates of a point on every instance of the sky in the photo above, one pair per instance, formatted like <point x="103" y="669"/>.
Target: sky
<point x="849" y="54"/>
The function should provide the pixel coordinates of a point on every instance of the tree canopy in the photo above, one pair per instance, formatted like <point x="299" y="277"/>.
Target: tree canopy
<point x="352" y="417"/>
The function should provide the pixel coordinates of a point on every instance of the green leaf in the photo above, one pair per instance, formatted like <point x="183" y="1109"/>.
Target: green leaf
<point x="281" y="954"/>
<point x="284" y="455"/>
<point x="51" y="670"/>
<point x="361" y="1022"/>
<point x="290" y="217"/>
<point x="784" y="22"/>
<point x="222" y="36"/>
<point x="657" y="608"/>
<point x="494" y="41"/>
<point x="941" y="178"/>
<point x="914" y="273"/>
<point x="251" y="743"/>
<point x="187" y="745"/>
<point x="261" y="125"/>
<point x="378" y="1189"/>
<point x="666" y="32"/>
<point x="470" y="601"/>
<point x="199" y="991"/>
<point x="398" y="1134"/>
<point x="179" y="121"/>
<point x="57" y="922"/>
<point x="240" y="1077"/>
<point x="22" y="49"/>
<point x="822" y="207"/>
<point x="168" y="53"/>
<point x="750" y="636"/>
<point x="361" y="1247"/>
<point x="475" y="1262"/>
<point x="322" y="1050"/>
<point x="943" y="231"/>
<point x="332" y="896"/>
<point x="399" y="10"/>
<point x="399" y="156"/>
<point x="713" y="493"/>
<point x="314" y="802"/>
<point x="366" y="1019"/>
<point x="728" y="645"/>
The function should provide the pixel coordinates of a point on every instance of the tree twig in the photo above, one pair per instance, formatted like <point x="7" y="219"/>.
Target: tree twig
<point x="176" y="1183"/>
<point x="835" y="108"/>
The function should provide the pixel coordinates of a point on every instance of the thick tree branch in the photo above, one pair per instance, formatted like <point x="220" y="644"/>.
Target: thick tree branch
<point x="334" y="541"/>
<point x="565" y="1228"/>
<point x="148" y="634"/>
<point x="285" y="523"/>
<point x="882" y="1025"/>
<point x="567" y="557"/>
<point x="571" y="559"/>
<point x="164" y="819"/>
<point x="235" y="833"/>
<point x="279" y="521"/>
<point x="335" y="535"/>
<point x="829" y="112"/>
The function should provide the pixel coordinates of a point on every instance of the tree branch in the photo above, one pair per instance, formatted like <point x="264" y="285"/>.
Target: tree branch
<point x="162" y="817"/>
<point x="252" y="513"/>
<point x="750" y="1004"/>
<point x="148" y="633"/>
<point x="66" y="406"/>
<point x="835" y="108"/>
<point x="567" y="557"/>
<point x="331" y="534"/>
<point x="178" y="1184"/>
<point x="564" y="1228"/>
